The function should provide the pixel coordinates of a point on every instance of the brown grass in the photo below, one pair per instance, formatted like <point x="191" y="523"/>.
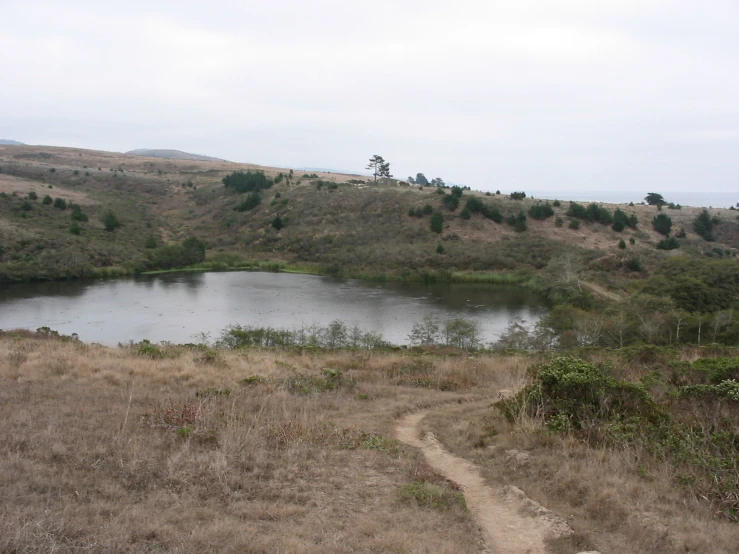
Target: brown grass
<point x="104" y="450"/>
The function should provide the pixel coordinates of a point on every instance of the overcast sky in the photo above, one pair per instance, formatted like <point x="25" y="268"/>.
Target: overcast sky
<point x="545" y="96"/>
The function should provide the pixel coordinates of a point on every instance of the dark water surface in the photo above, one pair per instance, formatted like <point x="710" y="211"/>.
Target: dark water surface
<point x="177" y="307"/>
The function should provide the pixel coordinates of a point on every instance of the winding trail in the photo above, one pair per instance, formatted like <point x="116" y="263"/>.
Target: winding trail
<point x="510" y="522"/>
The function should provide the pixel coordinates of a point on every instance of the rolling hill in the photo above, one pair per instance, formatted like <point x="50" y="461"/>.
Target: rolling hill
<point x="331" y="222"/>
<point x="171" y="155"/>
<point x="11" y="142"/>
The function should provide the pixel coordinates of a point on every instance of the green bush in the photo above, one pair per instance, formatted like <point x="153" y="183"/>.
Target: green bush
<point x="437" y="222"/>
<point x="541" y="211"/>
<point x="518" y="222"/>
<point x="517" y="195"/>
<point x="670" y="243"/>
<point x="47" y="200"/>
<point x="662" y="223"/>
<point x="252" y="200"/>
<point x="465" y="213"/>
<point x="60" y="204"/>
<point x="75" y="228"/>
<point x="574" y="224"/>
<point x="558" y="221"/>
<point x="593" y="212"/>
<point x="32" y="195"/>
<point x="556" y="203"/>
<point x="451" y="201"/>
<point x="110" y="221"/>
<point x="190" y="252"/>
<point x="703" y="225"/>
<point x="277" y="223"/>
<point x="248" y="181"/>
<point x="78" y="215"/>
<point x="622" y="244"/>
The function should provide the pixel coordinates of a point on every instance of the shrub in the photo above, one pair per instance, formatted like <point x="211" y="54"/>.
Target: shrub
<point x="541" y="211"/>
<point x="574" y="224"/>
<point x="190" y="252"/>
<point x="277" y="223"/>
<point x="558" y="221"/>
<point x="622" y="244"/>
<point x="110" y="221"/>
<point x="703" y="225"/>
<point x="556" y="203"/>
<point x="574" y="395"/>
<point x="670" y="243"/>
<point x="465" y="213"/>
<point x="249" y="181"/>
<point x="662" y="223"/>
<point x="78" y="215"/>
<point x="457" y="191"/>
<point x="428" y="209"/>
<point x="439" y="248"/>
<point x="32" y="195"/>
<point x="516" y="195"/>
<point x="593" y="212"/>
<point x="75" y="228"/>
<point x="60" y="204"/>
<point x="634" y="265"/>
<point x="437" y="222"/>
<point x="151" y="242"/>
<point x="451" y="201"/>
<point x="47" y="200"/>
<point x="518" y="222"/>
<point x="681" y="234"/>
<point x="252" y="200"/>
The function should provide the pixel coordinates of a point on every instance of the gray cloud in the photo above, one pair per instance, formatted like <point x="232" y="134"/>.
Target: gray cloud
<point x="568" y="96"/>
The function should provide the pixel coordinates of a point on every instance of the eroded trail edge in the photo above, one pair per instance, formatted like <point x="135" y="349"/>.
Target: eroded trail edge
<point x="510" y="522"/>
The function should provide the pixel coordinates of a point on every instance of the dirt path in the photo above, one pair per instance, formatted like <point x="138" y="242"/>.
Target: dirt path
<point x="510" y="522"/>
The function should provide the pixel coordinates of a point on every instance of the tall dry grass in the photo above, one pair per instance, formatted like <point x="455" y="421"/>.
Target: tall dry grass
<point x="104" y="450"/>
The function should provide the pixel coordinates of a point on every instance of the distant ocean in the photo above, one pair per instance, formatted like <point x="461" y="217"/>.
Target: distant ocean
<point x="701" y="199"/>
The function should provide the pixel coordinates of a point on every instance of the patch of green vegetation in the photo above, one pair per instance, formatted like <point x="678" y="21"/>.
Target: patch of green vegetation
<point x="432" y="496"/>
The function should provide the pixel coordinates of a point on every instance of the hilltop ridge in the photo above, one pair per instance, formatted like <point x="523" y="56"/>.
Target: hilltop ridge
<point x="171" y="154"/>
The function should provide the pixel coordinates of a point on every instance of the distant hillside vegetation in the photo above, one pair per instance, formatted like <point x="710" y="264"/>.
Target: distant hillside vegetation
<point x="171" y="155"/>
<point x="11" y="142"/>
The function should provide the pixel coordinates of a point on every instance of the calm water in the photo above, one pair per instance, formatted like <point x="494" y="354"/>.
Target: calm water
<point x="178" y="307"/>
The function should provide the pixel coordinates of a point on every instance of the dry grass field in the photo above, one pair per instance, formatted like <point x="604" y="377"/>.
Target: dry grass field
<point x="172" y="449"/>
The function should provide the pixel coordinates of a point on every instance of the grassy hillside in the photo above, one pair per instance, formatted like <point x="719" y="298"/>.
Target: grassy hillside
<point x="333" y="222"/>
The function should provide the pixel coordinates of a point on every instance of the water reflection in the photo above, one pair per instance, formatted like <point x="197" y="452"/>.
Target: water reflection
<point x="179" y="306"/>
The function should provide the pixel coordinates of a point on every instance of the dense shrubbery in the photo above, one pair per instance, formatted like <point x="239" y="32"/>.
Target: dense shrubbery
<point x="450" y="201"/>
<point x="696" y="432"/>
<point x="518" y="195"/>
<point x="437" y="222"/>
<point x="477" y="206"/>
<point x="670" y="243"/>
<point x="251" y="201"/>
<point x="541" y="211"/>
<point x="593" y="212"/>
<point x="703" y="225"/>
<point x="518" y="222"/>
<point x="662" y="224"/>
<point x="621" y="220"/>
<point x="190" y="252"/>
<point x="249" y="181"/>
